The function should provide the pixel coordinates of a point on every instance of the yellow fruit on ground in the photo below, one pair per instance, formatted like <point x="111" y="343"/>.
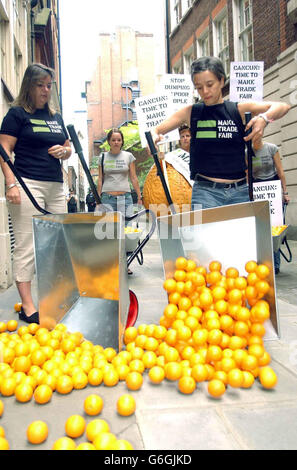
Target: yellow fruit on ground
<point x="2" y="431"/>
<point x="4" y="444"/>
<point x="75" y="426"/>
<point x="126" y="405"/>
<point x="37" y="432"/>
<point x="43" y="394"/>
<point x="95" y="427"/>
<point x="156" y="374"/>
<point x="216" y="388"/>
<point x="64" y="443"/>
<point x="93" y="405"/>
<point x="104" y="441"/>
<point x="122" y="444"/>
<point x="1" y="408"/>
<point x="86" y="446"/>
<point x="268" y="377"/>
<point x="23" y="392"/>
<point x="11" y="325"/>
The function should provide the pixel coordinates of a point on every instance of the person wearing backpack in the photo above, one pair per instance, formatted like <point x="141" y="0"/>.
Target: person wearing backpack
<point x="72" y="202"/>
<point x="217" y="151"/>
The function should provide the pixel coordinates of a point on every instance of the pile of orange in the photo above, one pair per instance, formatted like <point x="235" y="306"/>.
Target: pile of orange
<point x="277" y="229"/>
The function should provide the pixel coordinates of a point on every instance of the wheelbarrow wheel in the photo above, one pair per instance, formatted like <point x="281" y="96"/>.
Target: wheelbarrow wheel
<point x="133" y="310"/>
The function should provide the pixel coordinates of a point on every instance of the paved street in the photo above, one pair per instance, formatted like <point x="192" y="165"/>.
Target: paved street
<point x="166" y="419"/>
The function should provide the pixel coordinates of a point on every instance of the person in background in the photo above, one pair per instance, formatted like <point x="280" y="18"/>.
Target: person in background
<point x="37" y="136"/>
<point x="72" y="201"/>
<point x="217" y="152"/>
<point x="185" y="137"/>
<point x="114" y="174"/>
<point x="267" y="166"/>
<point x="90" y="201"/>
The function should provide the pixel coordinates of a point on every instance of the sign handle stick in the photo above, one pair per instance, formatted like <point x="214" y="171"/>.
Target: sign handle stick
<point x="250" y="152"/>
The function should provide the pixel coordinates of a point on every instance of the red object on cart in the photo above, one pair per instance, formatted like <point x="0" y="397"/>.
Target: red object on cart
<point x="133" y="310"/>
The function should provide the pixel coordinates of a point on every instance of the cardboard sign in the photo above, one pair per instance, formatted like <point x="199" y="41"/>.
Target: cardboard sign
<point x="180" y="160"/>
<point x="246" y="81"/>
<point x="271" y="191"/>
<point x="179" y="87"/>
<point x="151" y="111"/>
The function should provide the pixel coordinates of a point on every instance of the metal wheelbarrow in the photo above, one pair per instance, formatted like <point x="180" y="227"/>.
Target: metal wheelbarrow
<point x="232" y="234"/>
<point x="81" y="270"/>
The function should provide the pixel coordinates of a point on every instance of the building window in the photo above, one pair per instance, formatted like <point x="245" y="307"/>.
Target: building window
<point x="245" y="30"/>
<point x="203" y="44"/>
<point x="177" y="67"/>
<point x="221" y="43"/>
<point x="175" y="14"/>
<point x="188" y="59"/>
<point x="4" y="45"/>
<point x="185" y="5"/>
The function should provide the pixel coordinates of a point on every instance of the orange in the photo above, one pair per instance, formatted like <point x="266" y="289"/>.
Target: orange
<point x="43" y="394"/>
<point x="134" y="380"/>
<point x="268" y="377"/>
<point x="95" y="427"/>
<point x="215" y="266"/>
<point x="22" y="364"/>
<point x="122" y="444"/>
<point x="85" y="446"/>
<point x="191" y="265"/>
<point x="171" y="354"/>
<point x="262" y="287"/>
<point x="251" y="266"/>
<point x="126" y="405"/>
<point x="264" y="360"/>
<point x="200" y="337"/>
<point x="216" y="388"/>
<point x="23" y="392"/>
<point x="38" y="357"/>
<point x="110" y="378"/>
<point x="256" y="350"/>
<point x="262" y="271"/>
<point x="1" y="408"/>
<point x="181" y="263"/>
<point x="174" y="298"/>
<point x="240" y="328"/>
<point x="11" y="325"/>
<point x="7" y="387"/>
<point x="213" y="277"/>
<point x="248" y="379"/>
<point x="258" y="329"/>
<point x="64" y="443"/>
<point x="214" y="353"/>
<point x="170" y="311"/>
<point x="227" y="364"/>
<point x="2" y="431"/>
<point x="123" y="370"/>
<point x="130" y="334"/>
<point x="235" y="378"/>
<point x="37" y="432"/>
<point x="199" y="372"/>
<point x="64" y="384"/>
<point x="171" y="337"/>
<point x="173" y="371"/>
<point x="4" y="444"/>
<point x="104" y="441"/>
<point x="206" y="299"/>
<point x="179" y="275"/>
<point x="149" y="359"/>
<point x="93" y="405"/>
<point x="186" y="385"/>
<point x="80" y="380"/>
<point x="232" y="273"/>
<point x="249" y="362"/>
<point x="2" y="326"/>
<point x="156" y="374"/>
<point x="252" y="278"/>
<point x="21" y="349"/>
<point x="169" y="285"/>
<point x="17" y="307"/>
<point x="75" y="426"/>
<point x="184" y="333"/>
<point x="214" y="336"/>
<point x="151" y="344"/>
<point x="240" y="283"/>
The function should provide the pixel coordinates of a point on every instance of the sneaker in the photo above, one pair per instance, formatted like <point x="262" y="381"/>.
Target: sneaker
<point x="34" y="318"/>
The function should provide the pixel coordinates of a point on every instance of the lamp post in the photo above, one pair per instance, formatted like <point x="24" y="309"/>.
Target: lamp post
<point x="167" y="36"/>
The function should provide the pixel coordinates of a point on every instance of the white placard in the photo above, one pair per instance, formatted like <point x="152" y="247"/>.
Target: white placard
<point x="246" y="81"/>
<point x="271" y="191"/>
<point x="180" y="160"/>
<point x="151" y="111"/>
<point x="179" y="87"/>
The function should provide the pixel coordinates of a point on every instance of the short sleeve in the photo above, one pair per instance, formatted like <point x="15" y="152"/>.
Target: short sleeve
<point x="12" y="123"/>
<point x="131" y="158"/>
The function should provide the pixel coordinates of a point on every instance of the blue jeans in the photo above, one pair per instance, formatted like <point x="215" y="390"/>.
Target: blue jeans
<point x="123" y="203"/>
<point x="205" y="197"/>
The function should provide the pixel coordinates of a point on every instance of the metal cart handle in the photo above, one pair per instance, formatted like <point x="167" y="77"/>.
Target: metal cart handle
<point x="7" y="160"/>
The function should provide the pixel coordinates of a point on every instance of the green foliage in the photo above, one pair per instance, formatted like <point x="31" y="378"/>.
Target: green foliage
<point x="131" y="138"/>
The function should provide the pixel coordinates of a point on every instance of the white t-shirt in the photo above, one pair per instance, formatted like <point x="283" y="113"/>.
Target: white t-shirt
<point x="116" y="171"/>
<point x="263" y="162"/>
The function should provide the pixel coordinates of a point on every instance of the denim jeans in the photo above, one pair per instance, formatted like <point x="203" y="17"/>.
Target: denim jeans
<point x="205" y="197"/>
<point x="123" y="203"/>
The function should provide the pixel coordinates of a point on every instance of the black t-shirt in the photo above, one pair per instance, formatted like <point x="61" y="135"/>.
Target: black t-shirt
<point x="217" y="146"/>
<point x="35" y="134"/>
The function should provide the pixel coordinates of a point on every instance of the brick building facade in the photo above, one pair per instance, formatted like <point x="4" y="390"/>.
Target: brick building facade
<point x="125" y="69"/>
<point x="246" y="30"/>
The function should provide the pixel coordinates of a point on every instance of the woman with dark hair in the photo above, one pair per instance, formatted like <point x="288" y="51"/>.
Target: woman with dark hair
<point x="114" y="173"/>
<point x="217" y="151"/>
<point x="36" y="134"/>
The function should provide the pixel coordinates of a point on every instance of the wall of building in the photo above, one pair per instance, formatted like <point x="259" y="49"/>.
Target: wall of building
<point x="124" y="57"/>
<point x="274" y="38"/>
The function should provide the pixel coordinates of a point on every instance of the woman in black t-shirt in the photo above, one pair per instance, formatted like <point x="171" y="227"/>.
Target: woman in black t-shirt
<point x="36" y="135"/>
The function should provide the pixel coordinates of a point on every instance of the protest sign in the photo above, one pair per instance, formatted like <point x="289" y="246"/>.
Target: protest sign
<point x="179" y="87"/>
<point x="246" y="81"/>
<point x="180" y="160"/>
<point x="152" y="110"/>
<point x="271" y="191"/>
